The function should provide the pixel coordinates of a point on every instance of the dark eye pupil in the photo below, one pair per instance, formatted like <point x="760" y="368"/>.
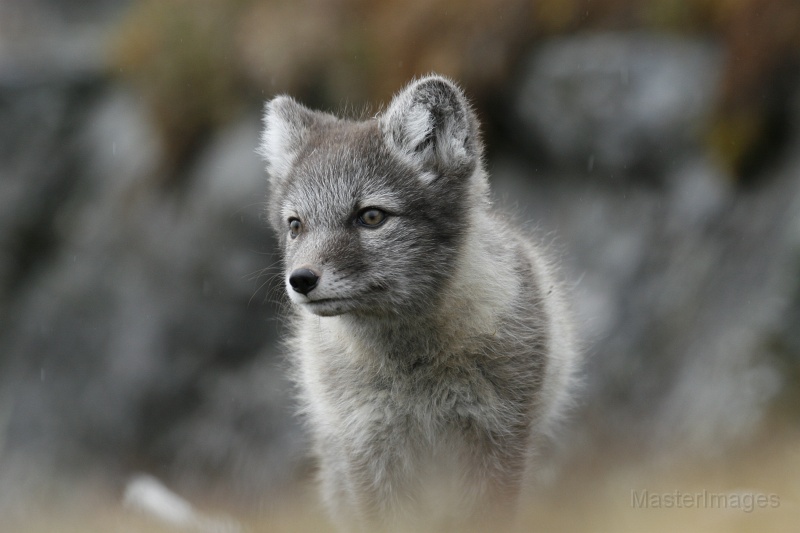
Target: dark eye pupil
<point x="295" y="226"/>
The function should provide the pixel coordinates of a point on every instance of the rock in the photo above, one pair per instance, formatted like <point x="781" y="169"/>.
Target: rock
<point x="44" y="40"/>
<point x="621" y="102"/>
<point x="147" y="495"/>
<point x="679" y="286"/>
<point x="144" y="299"/>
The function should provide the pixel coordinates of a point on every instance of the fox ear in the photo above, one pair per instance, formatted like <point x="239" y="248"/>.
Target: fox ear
<point x="430" y="125"/>
<point x="286" y="127"/>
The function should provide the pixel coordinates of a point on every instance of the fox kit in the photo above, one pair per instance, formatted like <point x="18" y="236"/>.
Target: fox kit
<point x="430" y="345"/>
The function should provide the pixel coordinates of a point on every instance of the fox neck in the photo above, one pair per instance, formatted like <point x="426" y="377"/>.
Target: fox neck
<point x="469" y="305"/>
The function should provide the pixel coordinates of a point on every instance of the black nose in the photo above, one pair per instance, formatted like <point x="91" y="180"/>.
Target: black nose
<point x="303" y="280"/>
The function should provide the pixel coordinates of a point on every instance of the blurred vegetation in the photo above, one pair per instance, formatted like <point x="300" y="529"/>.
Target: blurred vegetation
<point x="197" y="62"/>
<point x="179" y="56"/>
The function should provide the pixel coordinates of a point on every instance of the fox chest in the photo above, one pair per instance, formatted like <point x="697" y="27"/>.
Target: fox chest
<point x="433" y="413"/>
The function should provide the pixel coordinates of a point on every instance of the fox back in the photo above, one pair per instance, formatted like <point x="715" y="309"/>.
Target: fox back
<point x="432" y="351"/>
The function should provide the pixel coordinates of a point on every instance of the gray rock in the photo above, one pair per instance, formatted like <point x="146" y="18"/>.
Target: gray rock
<point x="617" y="101"/>
<point x="147" y="301"/>
<point x="678" y="289"/>
<point x="46" y="40"/>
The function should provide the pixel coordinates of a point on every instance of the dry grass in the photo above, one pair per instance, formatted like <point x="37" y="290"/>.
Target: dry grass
<point x="596" y="497"/>
<point x="754" y="491"/>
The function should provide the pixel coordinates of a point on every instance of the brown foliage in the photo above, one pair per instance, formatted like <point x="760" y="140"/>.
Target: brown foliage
<point x="195" y="62"/>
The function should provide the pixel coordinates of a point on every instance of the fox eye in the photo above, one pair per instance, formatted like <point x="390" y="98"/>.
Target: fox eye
<point x="371" y="217"/>
<point x="295" y="226"/>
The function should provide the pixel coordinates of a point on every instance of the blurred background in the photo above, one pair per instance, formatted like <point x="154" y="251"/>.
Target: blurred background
<point x="653" y="145"/>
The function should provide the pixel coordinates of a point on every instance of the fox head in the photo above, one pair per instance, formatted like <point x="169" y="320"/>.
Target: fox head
<point x="371" y="215"/>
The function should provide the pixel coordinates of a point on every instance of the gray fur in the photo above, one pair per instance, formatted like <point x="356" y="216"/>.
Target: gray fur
<point x="434" y="351"/>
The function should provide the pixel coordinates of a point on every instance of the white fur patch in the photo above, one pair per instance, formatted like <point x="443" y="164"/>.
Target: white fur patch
<point x="427" y="177"/>
<point x="418" y="124"/>
<point x="276" y="141"/>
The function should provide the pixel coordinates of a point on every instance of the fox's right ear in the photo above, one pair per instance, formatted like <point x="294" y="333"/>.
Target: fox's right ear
<point x="286" y="126"/>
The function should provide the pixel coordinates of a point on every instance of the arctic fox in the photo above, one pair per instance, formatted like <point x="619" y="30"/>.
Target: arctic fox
<point x="431" y="346"/>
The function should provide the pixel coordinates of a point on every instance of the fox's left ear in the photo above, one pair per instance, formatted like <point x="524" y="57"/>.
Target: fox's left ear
<point x="286" y="127"/>
<point x="430" y="125"/>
